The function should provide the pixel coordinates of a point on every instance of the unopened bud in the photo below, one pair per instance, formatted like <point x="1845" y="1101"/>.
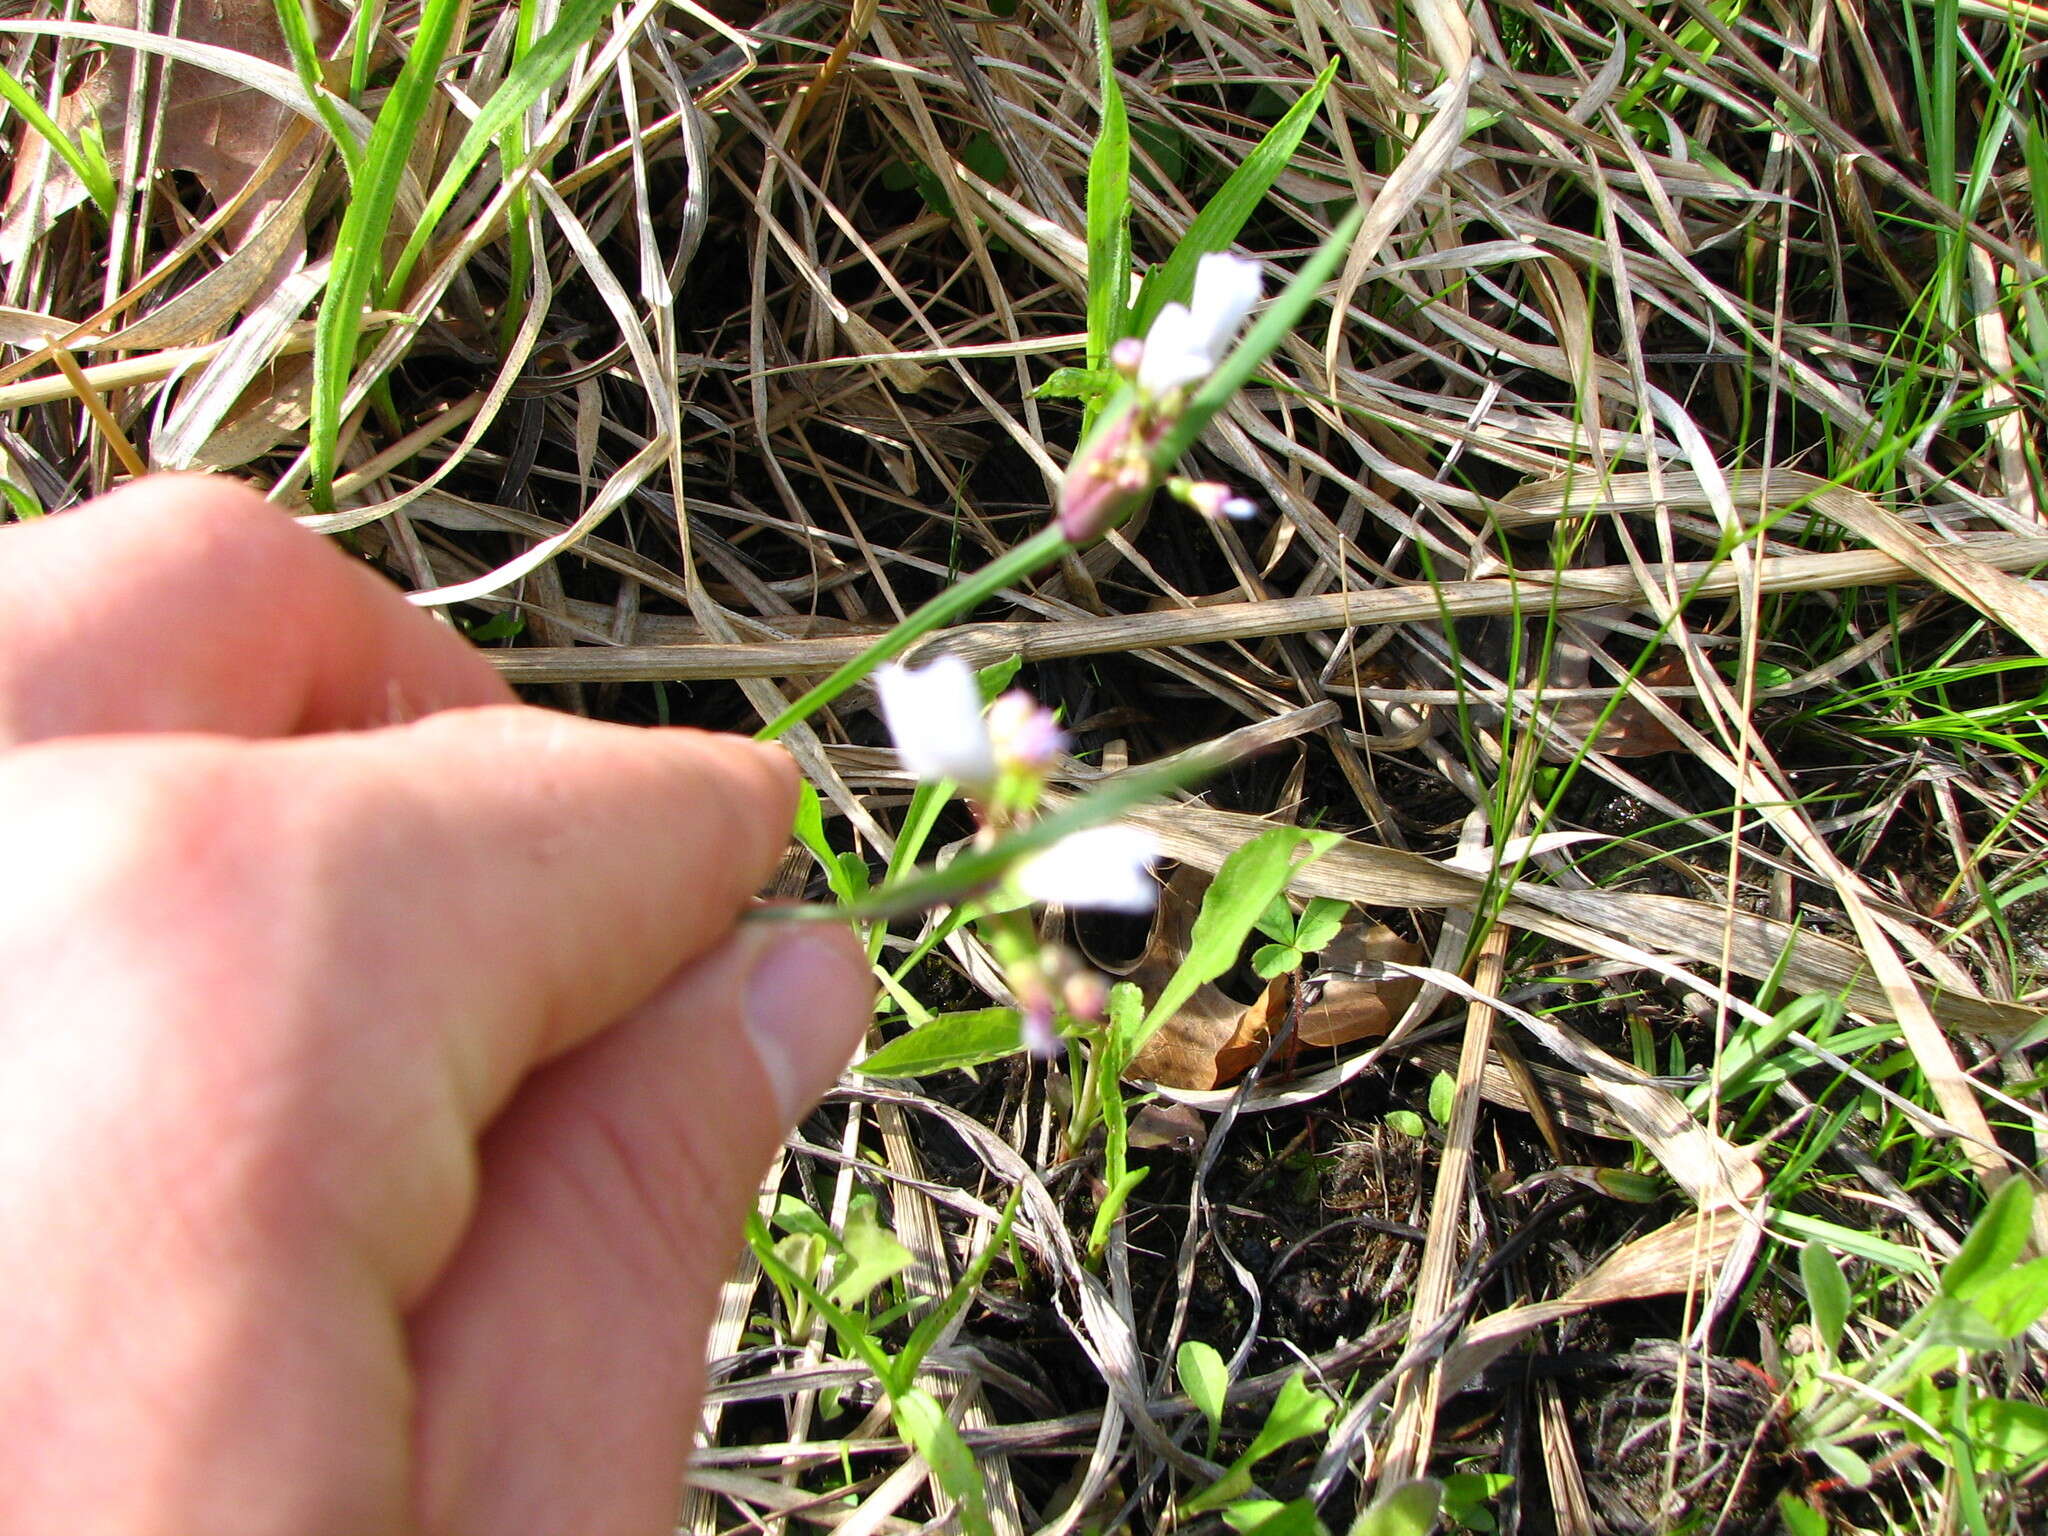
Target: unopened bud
<point x="1024" y="733"/>
<point x="1212" y="498"/>
<point x="1126" y="356"/>
<point x="1086" y="996"/>
<point x="1105" y="482"/>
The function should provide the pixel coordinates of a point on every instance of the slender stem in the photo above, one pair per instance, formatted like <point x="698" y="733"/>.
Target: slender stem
<point x="1033" y="555"/>
<point x="1087" y="1101"/>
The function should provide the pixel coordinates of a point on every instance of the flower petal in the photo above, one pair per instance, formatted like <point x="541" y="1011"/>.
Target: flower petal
<point x="1226" y="288"/>
<point x="1105" y="868"/>
<point x="1176" y="352"/>
<point x="934" y="717"/>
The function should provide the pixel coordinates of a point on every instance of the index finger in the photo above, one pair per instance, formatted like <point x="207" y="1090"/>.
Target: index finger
<point x="188" y="603"/>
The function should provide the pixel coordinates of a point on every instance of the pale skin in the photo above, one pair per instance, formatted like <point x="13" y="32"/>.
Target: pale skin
<point x="381" y="1086"/>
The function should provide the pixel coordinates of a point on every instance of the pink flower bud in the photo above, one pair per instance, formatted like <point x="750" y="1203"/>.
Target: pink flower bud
<point x="1086" y="995"/>
<point x="1024" y="733"/>
<point x="1105" y="482"/>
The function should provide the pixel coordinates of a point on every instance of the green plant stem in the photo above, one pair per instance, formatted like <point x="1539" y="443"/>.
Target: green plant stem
<point x="1087" y="1106"/>
<point x="1033" y="555"/>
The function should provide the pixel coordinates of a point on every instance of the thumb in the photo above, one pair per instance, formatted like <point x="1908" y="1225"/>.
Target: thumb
<point x="559" y="1359"/>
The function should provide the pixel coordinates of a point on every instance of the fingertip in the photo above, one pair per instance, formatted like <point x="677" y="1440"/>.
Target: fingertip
<point x="808" y="996"/>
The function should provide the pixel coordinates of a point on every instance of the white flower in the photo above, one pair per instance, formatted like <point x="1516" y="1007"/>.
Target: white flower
<point x="934" y="717"/>
<point x="1105" y="868"/>
<point x="1187" y="341"/>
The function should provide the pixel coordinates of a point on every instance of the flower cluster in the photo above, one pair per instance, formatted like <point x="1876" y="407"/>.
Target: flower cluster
<point x="1000" y="760"/>
<point x="1185" y="344"/>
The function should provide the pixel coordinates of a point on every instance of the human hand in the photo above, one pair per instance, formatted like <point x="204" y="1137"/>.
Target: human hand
<point x="382" y="1076"/>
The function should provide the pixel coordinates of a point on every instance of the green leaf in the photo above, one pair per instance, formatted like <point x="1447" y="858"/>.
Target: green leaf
<point x="851" y="1329"/>
<point x="792" y="1215"/>
<point x="872" y="1256"/>
<point x="1109" y="204"/>
<point x="1225" y="214"/>
<point x="1465" y="1490"/>
<point x="1126" y="1014"/>
<point x="1248" y="880"/>
<point x="1895" y="1257"/>
<point x="1271" y="960"/>
<point x="1998" y="1238"/>
<point x="1443" y="1092"/>
<point x="983" y="156"/>
<point x="925" y="1425"/>
<point x="997" y="676"/>
<point x="2011" y="1437"/>
<point x="1321" y="921"/>
<point x="1801" y="1518"/>
<point x="949" y="1042"/>
<point x="25" y="507"/>
<point x="1827" y="1294"/>
<point x="809" y="826"/>
<point x="1269" y="1517"/>
<point x="1206" y="1380"/>
<point x="1408" y="1509"/>
<point x="2013" y="1300"/>
<point x="1952" y="1325"/>
<point x="297" y="30"/>
<point x="1408" y="1123"/>
<point x="1627" y="1184"/>
<point x="853" y="876"/>
<point x="1277" y="921"/>
<point x="1090" y="384"/>
<point x="1298" y="1412"/>
<point x="1844" y="1463"/>
<point x="804" y="1253"/>
<point x="1231" y="1485"/>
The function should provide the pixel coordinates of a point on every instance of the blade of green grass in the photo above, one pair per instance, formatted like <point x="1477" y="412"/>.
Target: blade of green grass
<point x="1225" y="214"/>
<point x="545" y="63"/>
<point x="358" y="248"/>
<point x="97" y="180"/>
<point x="298" y="41"/>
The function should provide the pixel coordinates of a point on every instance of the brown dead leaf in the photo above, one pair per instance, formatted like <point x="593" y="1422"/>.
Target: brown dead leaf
<point x="1630" y="730"/>
<point x="212" y="127"/>
<point x="1362" y="999"/>
<point x="1214" y="1040"/>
